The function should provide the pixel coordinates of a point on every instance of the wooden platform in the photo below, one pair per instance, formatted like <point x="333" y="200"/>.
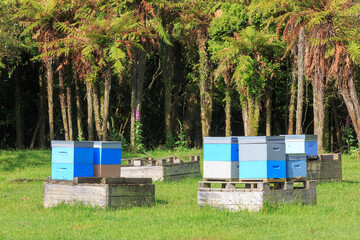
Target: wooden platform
<point x="327" y="168"/>
<point x="102" y="192"/>
<point x="169" y="169"/>
<point x="252" y="196"/>
<point x="267" y="180"/>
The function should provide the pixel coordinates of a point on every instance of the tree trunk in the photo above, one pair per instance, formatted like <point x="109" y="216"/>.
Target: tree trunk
<point x="351" y="100"/>
<point x="205" y="84"/>
<point x="319" y="108"/>
<point x="300" y="94"/>
<point x="251" y="115"/>
<point x="337" y="127"/>
<point x="245" y="117"/>
<point x="69" y="108"/>
<point x="89" y="110"/>
<point x="167" y="68"/>
<point x="18" y="112"/>
<point x="78" y="109"/>
<point x="50" y="85"/>
<point x="137" y="89"/>
<point x="227" y="111"/>
<point x="42" y="110"/>
<point x="268" y="111"/>
<point x="63" y="102"/>
<point x="106" y="102"/>
<point x="97" y="110"/>
<point x="292" y="100"/>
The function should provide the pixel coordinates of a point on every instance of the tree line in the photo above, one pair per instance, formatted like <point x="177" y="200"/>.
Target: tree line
<point x="155" y="72"/>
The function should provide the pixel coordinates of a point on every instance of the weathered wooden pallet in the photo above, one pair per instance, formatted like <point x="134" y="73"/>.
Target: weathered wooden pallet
<point x="102" y="192"/>
<point x="327" y="168"/>
<point x="160" y="161"/>
<point x="252" y="196"/>
<point x="169" y="168"/>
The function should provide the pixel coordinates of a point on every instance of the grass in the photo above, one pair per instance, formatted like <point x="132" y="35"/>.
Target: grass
<point x="175" y="214"/>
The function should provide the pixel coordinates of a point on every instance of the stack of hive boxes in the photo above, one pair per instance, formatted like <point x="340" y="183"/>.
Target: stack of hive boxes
<point x="85" y="159"/>
<point x="298" y="149"/>
<point x="221" y="158"/>
<point x="71" y="159"/>
<point x="262" y="157"/>
<point x="107" y="159"/>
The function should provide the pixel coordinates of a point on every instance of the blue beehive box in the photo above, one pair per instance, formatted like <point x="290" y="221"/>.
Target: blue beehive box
<point x="306" y="144"/>
<point x="262" y="157"/>
<point x="107" y="153"/>
<point x="295" y="165"/>
<point x="221" y="158"/>
<point x="71" y="159"/>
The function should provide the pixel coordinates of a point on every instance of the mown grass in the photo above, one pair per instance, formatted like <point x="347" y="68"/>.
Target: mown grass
<point x="175" y="214"/>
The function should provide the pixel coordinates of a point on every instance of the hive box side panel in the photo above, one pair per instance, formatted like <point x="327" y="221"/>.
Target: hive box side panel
<point x="220" y="170"/>
<point x="154" y="172"/>
<point x="311" y="148"/>
<point x="295" y="146"/>
<point x="130" y="201"/>
<point x="55" y="194"/>
<point x="220" y="152"/>
<point x="252" y="169"/>
<point x="252" y="152"/>
<point x="296" y="168"/>
<point x="107" y="156"/>
<point x="303" y="196"/>
<point x="62" y="155"/>
<point x="107" y="170"/>
<point x="276" y="169"/>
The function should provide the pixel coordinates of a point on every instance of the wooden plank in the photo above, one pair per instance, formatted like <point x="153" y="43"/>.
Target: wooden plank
<point x="94" y="195"/>
<point x="91" y="180"/>
<point x="130" y="201"/>
<point x="313" y="165"/>
<point x="154" y="172"/>
<point x="181" y="176"/>
<point x="332" y="165"/>
<point x="126" y="180"/>
<point x="131" y="190"/>
<point x="185" y="168"/>
<point x="336" y="156"/>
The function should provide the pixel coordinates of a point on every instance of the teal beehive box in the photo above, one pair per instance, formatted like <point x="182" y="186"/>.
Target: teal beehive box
<point x="107" y="152"/>
<point x="71" y="159"/>
<point x="262" y="157"/>
<point x="305" y="144"/>
<point x="220" y="149"/>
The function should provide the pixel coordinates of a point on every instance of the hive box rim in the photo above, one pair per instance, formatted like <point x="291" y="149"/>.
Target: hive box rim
<point x="304" y="137"/>
<point x="261" y="139"/>
<point x="72" y="144"/>
<point x="108" y="144"/>
<point x="220" y="140"/>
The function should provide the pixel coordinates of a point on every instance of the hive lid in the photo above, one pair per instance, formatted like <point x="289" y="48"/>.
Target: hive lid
<point x="295" y="157"/>
<point x="261" y="139"/>
<point x="107" y="144"/>
<point x="300" y="137"/>
<point x="221" y="140"/>
<point x="74" y="144"/>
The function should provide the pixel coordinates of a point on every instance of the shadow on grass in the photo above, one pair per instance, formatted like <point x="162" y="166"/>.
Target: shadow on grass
<point x="350" y="181"/>
<point x="11" y="160"/>
<point x="161" y="202"/>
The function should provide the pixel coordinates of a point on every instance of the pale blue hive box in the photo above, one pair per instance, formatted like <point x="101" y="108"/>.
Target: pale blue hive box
<point x="71" y="159"/>
<point x="107" y="153"/>
<point x="306" y="144"/>
<point x="295" y="165"/>
<point x="262" y="157"/>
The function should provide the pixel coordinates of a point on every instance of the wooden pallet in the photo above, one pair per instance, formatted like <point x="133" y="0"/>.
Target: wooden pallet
<point x="143" y="161"/>
<point x="267" y="180"/>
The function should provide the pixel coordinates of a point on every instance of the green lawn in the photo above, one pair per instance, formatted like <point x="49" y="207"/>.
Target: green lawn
<point x="175" y="214"/>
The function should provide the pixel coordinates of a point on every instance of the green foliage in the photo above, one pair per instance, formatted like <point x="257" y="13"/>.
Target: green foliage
<point x="138" y="146"/>
<point x="349" y="140"/>
<point x="181" y="143"/>
<point x="170" y="142"/>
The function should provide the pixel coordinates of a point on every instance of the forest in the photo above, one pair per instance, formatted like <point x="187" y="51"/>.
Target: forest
<point x="165" y="74"/>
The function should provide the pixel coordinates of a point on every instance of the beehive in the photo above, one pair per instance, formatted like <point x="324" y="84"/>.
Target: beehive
<point x="107" y="158"/>
<point x="262" y="157"/>
<point x="71" y="159"/>
<point x="221" y="158"/>
<point x="295" y="165"/>
<point x="306" y="144"/>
